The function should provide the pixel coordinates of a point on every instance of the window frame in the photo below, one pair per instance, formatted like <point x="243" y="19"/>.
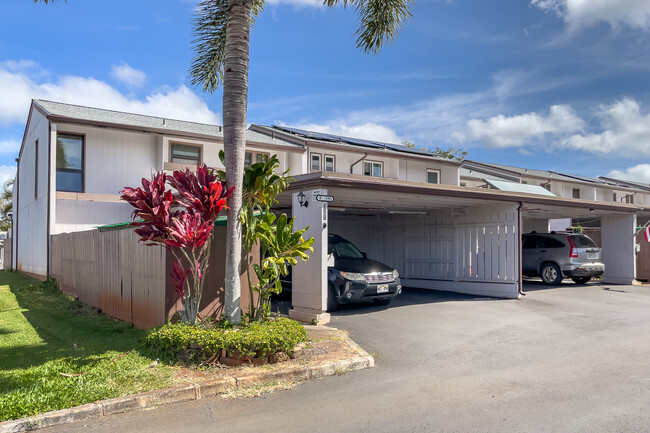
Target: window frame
<point x="381" y="165"/>
<point x="69" y="170"/>
<point x="333" y="163"/>
<point x="437" y="172"/>
<point x="311" y="161"/>
<point x="254" y="154"/>
<point x="180" y="143"/>
<point x="573" y="193"/>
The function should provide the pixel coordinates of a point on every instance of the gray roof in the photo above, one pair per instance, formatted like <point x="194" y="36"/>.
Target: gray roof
<point x="319" y="137"/>
<point x="158" y="124"/>
<point x="509" y="170"/>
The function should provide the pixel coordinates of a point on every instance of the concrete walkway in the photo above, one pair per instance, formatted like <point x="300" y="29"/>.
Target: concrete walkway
<point x="571" y="358"/>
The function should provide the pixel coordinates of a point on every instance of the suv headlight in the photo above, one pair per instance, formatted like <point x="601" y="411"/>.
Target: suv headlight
<point x="353" y="276"/>
<point x="395" y="274"/>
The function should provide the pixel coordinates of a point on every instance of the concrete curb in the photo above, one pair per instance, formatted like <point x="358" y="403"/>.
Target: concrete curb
<point x="197" y="391"/>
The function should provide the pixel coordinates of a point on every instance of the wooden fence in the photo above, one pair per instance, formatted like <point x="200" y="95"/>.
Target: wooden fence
<point x="127" y="280"/>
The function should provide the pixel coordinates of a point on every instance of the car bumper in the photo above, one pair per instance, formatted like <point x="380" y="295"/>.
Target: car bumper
<point x="585" y="270"/>
<point x="353" y="291"/>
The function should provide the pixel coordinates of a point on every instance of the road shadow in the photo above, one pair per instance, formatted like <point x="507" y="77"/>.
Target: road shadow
<point x="410" y="296"/>
<point x="536" y="285"/>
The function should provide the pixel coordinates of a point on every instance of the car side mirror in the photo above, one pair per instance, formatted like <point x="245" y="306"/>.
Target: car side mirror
<point x="365" y="255"/>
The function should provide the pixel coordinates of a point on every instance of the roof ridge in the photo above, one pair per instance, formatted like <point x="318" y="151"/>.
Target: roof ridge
<point x="124" y="112"/>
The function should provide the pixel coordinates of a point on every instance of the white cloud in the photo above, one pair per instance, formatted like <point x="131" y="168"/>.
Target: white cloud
<point x="19" y="87"/>
<point x="585" y="13"/>
<point x="368" y="131"/>
<point x="9" y="147"/>
<point x="128" y="75"/>
<point x="518" y="130"/>
<point x="639" y="173"/>
<point x="7" y="172"/>
<point x="625" y="130"/>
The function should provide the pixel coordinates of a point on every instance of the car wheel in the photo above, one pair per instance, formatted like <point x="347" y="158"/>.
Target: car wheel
<point x="550" y="274"/>
<point x="581" y="280"/>
<point x="332" y="303"/>
<point x="382" y="301"/>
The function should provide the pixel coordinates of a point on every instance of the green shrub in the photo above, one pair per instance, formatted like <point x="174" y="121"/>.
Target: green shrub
<point x="256" y="339"/>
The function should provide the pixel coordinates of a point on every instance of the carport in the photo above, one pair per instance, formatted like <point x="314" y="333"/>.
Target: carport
<point x="441" y="237"/>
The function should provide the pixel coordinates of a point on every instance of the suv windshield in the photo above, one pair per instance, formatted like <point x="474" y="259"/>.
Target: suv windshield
<point x="583" y="241"/>
<point x="343" y="249"/>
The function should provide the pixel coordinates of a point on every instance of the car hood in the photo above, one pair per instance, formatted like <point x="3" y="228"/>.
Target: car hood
<point x="363" y="266"/>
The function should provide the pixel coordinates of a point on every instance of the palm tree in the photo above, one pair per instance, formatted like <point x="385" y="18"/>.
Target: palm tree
<point x="6" y="204"/>
<point x="221" y="45"/>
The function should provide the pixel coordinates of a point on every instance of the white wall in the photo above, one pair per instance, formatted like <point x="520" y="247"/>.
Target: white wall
<point x="394" y="166"/>
<point x="31" y="211"/>
<point x="618" y="239"/>
<point x="416" y="171"/>
<point x="76" y="216"/>
<point x="115" y="159"/>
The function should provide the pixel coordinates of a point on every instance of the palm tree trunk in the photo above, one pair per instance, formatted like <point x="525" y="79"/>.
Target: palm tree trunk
<point x="235" y="97"/>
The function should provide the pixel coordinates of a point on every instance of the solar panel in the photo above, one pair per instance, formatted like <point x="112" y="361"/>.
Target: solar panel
<point x="354" y="141"/>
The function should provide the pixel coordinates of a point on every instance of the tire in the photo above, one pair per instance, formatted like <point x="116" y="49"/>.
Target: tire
<point x="550" y="274"/>
<point x="382" y="301"/>
<point x="332" y="303"/>
<point x="581" y="280"/>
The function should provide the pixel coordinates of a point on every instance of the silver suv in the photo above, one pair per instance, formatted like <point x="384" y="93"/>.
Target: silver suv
<point x="554" y="256"/>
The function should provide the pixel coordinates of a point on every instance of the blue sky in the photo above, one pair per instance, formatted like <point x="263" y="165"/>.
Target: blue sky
<point x="547" y="84"/>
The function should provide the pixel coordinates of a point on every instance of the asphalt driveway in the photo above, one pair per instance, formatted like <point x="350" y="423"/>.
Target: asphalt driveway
<point x="567" y="358"/>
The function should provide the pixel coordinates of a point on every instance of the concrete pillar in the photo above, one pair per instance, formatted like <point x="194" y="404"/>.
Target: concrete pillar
<point x="309" y="279"/>
<point x="618" y="243"/>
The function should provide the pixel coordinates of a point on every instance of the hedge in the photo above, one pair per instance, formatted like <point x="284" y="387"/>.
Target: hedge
<point x="257" y="339"/>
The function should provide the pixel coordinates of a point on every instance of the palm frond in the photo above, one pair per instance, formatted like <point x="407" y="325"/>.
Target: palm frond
<point x="379" y="20"/>
<point x="209" y="42"/>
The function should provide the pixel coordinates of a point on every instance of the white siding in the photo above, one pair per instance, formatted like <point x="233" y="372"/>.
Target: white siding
<point x="31" y="212"/>
<point x="477" y="253"/>
<point x="115" y="159"/>
<point x="394" y="166"/>
<point x="75" y="216"/>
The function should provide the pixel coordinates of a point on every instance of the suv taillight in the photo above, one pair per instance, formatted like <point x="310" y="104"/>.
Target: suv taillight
<point x="573" y="252"/>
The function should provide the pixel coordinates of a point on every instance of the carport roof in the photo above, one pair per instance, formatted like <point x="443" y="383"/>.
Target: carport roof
<point x="392" y="195"/>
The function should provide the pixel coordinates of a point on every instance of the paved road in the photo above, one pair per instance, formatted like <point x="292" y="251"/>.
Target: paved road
<point x="572" y="358"/>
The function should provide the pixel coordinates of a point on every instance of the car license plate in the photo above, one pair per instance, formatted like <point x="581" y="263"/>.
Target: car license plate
<point x="592" y="256"/>
<point x="382" y="288"/>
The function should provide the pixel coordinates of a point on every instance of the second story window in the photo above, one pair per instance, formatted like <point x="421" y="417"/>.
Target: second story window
<point x="433" y="176"/>
<point x="186" y="154"/>
<point x="69" y="163"/>
<point x="251" y="158"/>
<point x="315" y="164"/>
<point x="372" y="168"/>
<point x="576" y="192"/>
<point x="330" y="163"/>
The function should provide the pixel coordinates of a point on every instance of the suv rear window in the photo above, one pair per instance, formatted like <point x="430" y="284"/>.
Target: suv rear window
<point x="583" y="241"/>
<point x="538" y="241"/>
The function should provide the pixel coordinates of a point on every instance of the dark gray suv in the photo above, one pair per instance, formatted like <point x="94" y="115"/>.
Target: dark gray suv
<point x="554" y="256"/>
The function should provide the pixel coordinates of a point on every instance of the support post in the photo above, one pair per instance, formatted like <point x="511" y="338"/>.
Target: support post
<point x="309" y="279"/>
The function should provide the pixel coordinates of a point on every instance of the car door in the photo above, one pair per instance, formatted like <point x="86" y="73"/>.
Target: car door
<point x="530" y="252"/>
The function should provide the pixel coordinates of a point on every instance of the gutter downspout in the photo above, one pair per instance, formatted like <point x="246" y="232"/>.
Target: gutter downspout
<point x="519" y="238"/>
<point x="365" y="155"/>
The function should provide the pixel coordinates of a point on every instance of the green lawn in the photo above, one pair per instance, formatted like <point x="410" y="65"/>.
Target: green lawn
<point x="44" y="333"/>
